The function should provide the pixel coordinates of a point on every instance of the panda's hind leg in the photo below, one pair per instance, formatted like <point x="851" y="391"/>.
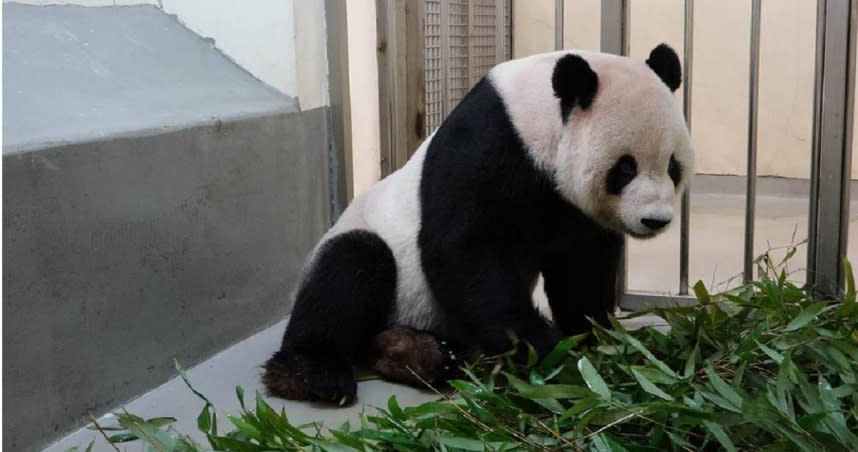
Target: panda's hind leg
<point x="345" y="299"/>
<point x="415" y="357"/>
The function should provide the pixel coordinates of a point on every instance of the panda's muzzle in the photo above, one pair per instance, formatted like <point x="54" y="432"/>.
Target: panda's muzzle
<point x="654" y="223"/>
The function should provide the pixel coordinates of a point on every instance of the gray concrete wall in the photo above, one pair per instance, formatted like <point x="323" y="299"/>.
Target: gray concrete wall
<point x="121" y="255"/>
<point x="158" y="203"/>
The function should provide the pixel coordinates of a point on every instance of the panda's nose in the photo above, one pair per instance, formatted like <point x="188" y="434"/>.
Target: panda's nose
<point x="654" y="223"/>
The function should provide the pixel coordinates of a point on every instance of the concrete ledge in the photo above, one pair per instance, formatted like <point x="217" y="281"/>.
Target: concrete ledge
<point x="781" y="187"/>
<point x="123" y="254"/>
<point x="74" y="74"/>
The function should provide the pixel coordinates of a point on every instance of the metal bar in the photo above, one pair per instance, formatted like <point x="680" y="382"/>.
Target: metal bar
<point x="832" y="156"/>
<point x="685" y="209"/>
<point x="753" y="98"/>
<point x="500" y="31"/>
<point x="558" y="24"/>
<point x="615" y="26"/>
<point x="445" y="57"/>
<point x="414" y="66"/>
<point x="385" y="86"/>
<point x="614" y="40"/>
<point x="339" y="149"/>
<point x="815" y="148"/>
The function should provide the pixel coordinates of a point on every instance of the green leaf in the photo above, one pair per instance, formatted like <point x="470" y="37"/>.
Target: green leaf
<point x="394" y="408"/>
<point x="123" y="438"/>
<point x="245" y="427"/>
<point x="701" y="293"/>
<point x="849" y="296"/>
<point x="718" y="432"/>
<point x="154" y="436"/>
<point x="775" y="356"/>
<point x="580" y="407"/>
<point x="554" y="392"/>
<point x="239" y="393"/>
<point x="650" y="387"/>
<point x="691" y="362"/>
<point x="724" y="389"/>
<point x="637" y="345"/>
<point x="181" y="371"/>
<point x="463" y="443"/>
<point x="561" y="350"/>
<point x="805" y="316"/>
<point x="328" y="446"/>
<point x="592" y="378"/>
<point x="161" y="421"/>
<point x="204" y="420"/>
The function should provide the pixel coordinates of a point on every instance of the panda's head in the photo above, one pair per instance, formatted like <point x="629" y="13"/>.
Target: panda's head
<point x="609" y="132"/>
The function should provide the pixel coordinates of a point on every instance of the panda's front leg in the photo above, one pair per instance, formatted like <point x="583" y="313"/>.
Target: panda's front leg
<point x="485" y="300"/>
<point x="581" y="282"/>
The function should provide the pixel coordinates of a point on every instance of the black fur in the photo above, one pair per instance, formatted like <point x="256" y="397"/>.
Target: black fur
<point x="664" y="61"/>
<point x="345" y="300"/>
<point x="674" y="170"/>
<point x="491" y="221"/>
<point x="574" y="84"/>
<point x="623" y="172"/>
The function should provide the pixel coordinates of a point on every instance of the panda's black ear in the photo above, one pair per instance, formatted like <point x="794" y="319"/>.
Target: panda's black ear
<point x="574" y="83"/>
<point x="664" y="61"/>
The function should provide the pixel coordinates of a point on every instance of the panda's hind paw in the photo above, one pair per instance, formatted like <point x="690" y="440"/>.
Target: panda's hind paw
<point x="297" y="377"/>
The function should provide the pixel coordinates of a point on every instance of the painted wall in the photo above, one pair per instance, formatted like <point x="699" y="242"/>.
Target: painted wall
<point x="720" y="71"/>
<point x="281" y="42"/>
<point x="363" y="87"/>
<point x="258" y="35"/>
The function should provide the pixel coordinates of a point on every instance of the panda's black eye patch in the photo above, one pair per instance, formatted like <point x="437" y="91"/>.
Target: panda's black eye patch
<point x="674" y="170"/>
<point x="623" y="172"/>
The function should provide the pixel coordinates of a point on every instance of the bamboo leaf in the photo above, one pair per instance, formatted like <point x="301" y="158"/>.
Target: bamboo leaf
<point x="593" y="379"/>
<point x="805" y="316"/>
<point x="649" y="387"/>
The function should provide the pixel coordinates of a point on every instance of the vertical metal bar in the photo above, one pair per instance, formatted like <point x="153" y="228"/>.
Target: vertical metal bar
<point x="445" y="58"/>
<point x="340" y="143"/>
<point x="386" y="84"/>
<point x="614" y="27"/>
<point x="753" y="98"/>
<point x="500" y="30"/>
<point x="558" y="24"/>
<point x="685" y="209"/>
<point x="830" y="167"/>
<point x="614" y="40"/>
<point x="815" y="148"/>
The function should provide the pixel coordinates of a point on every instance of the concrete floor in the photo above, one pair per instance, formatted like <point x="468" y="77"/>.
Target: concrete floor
<point x="239" y="366"/>
<point x="217" y="379"/>
<point x="717" y="231"/>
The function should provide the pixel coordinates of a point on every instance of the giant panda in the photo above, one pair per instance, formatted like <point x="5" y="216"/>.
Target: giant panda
<point x="542" y="168"/>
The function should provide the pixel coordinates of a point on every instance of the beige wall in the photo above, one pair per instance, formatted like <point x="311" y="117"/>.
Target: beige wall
<point x="720" y="71"/>
<point x="363" y="90"/>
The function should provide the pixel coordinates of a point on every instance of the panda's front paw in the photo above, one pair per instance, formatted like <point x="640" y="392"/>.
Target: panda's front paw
<point x="414" y="357"/>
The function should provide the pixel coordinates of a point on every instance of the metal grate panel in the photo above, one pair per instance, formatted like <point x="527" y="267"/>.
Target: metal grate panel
<point x="432" y="38"/>
<point x="483" y="38"/>
<point x="462" y="43"/>
<point x="458" y="56"/>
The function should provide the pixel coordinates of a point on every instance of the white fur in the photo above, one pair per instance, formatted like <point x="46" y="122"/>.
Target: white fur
<point x="633" y="113"/>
